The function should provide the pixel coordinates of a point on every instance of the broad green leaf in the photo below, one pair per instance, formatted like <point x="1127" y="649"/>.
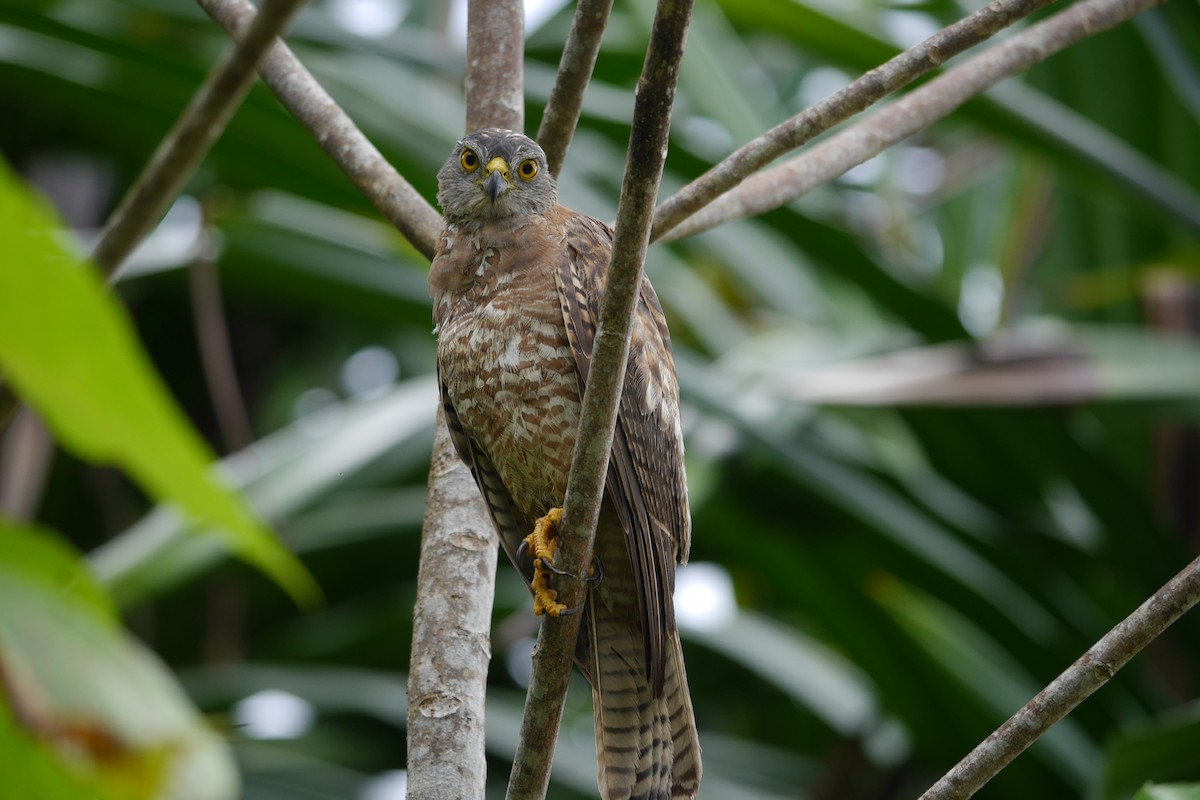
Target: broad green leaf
<point x="1169" y="791"/>
<point x="44" y="557"/>
<point x="83" y="705"/>
<point x="32" y="771"/>
<point x="71" y="352"/>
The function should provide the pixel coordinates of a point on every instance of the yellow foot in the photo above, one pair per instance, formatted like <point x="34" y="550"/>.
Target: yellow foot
<point x="542" y="546"/>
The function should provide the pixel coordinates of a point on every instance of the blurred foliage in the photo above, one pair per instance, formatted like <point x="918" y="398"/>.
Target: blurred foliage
<point x="907" y="571"/>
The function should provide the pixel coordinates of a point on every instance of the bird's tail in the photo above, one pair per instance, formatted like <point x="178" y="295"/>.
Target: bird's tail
<point x="646" y="744"/>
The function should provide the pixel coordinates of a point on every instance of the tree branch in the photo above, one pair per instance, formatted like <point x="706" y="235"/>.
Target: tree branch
<point x="193" y="135"/>
<point x="839" y="106"/>
<point x="917" y="110"/>
<point x="574" y="72"/>
<point x="177" y="156"/>
<point x="338" y="136"/>
<point x="555" y="651"/>
<point x="452" y="618"/>
<point x="1069" y="689"/>
<point x="495" y="85"/>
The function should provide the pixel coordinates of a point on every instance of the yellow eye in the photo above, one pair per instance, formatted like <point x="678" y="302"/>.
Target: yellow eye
<point x="469" y="160"/>
<point x="528" y="169"/>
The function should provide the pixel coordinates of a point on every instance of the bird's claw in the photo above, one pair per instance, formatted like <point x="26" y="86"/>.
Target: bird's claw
<point x="542" y="545"/>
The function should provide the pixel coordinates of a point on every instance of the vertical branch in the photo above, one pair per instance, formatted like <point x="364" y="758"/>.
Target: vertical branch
<point x="452" y="620"/>
<point x="456" y="580"/>
<point x="585" y="487"/>
<point x="187" y="143"/>
<point x="574" y="73"/>
<point x="495" y="82"/>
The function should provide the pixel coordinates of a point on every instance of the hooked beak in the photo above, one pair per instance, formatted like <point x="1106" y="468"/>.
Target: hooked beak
<point x="495" y="180"/>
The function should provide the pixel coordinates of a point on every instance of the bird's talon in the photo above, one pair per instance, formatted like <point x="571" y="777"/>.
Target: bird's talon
<point x="595" y="574"/>
<point x="549" y="567"/>
<point x="541" y="544"/>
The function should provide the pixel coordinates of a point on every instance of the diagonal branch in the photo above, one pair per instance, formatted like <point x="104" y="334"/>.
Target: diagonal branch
<point x="176" y="158"/>
<point x="447" y="677"/>
<point x="841" y="105"/>
<point x="574" y="72"/>
<point x="1072" y="687"/>
<point x="553" y="656"/>
<point x="338" y="136"/>
<point x="193" y="135"/>
<point x="917" y="110"/>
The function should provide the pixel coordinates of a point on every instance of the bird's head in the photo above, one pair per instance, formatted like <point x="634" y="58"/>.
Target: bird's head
<point x="495" y="173"/>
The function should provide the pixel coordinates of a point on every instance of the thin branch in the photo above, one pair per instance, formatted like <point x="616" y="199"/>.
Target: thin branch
<point x="451" y="649"/>
<point x="495" y="85"/>
<point x="180" y="152"/>
<point x="456" y="581"/>
<point x="911" y="113"/>
<point x="216" y="354"/>
<point x="555" y="650"/>
<point x="574" y="72"/>
<point x="336" y="133"/>
<point x="193" y="135"/>
<point x="841" y="105"/>
<point x="1069" y="689"/>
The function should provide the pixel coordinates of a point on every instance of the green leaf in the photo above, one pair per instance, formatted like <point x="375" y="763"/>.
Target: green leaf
<point x="44" y="557"/>
<point x="1169" y="791"/>
<point x="85" y="710"/>
<point x="72" y="353"/>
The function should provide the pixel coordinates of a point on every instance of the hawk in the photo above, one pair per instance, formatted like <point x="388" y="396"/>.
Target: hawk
<point x="516" y="286"/>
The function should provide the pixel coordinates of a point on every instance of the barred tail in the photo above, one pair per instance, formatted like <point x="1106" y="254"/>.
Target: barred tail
<point x="646" y="745"/>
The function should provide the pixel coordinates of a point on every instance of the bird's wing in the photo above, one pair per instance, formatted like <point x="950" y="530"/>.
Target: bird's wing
<point x="511" y="526"/>
<point x="646" y="482"/>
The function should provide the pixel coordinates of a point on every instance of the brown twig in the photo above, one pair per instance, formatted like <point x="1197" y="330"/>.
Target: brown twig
<point x="216" y="355"/>
<point x="911" y="113"/>
<point x="839" y="106"/>
<point x="1069" y="689"/>
<point x="336" y="133"/>
<point x="555" y="650"/>
<point x="193" y="135"/>
<point x="456" y="581"/>
<point x="574" y="72"/>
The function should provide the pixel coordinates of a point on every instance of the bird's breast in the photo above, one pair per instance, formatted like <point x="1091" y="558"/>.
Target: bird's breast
<point x="508" y="369"/>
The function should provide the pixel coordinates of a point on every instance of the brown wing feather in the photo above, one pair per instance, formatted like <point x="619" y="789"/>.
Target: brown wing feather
<point x="510" y="524"/>
<point x="645" y="481"/>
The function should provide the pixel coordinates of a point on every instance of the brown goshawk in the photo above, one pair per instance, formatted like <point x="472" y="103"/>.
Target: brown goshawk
<point x="516" y="285"/>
